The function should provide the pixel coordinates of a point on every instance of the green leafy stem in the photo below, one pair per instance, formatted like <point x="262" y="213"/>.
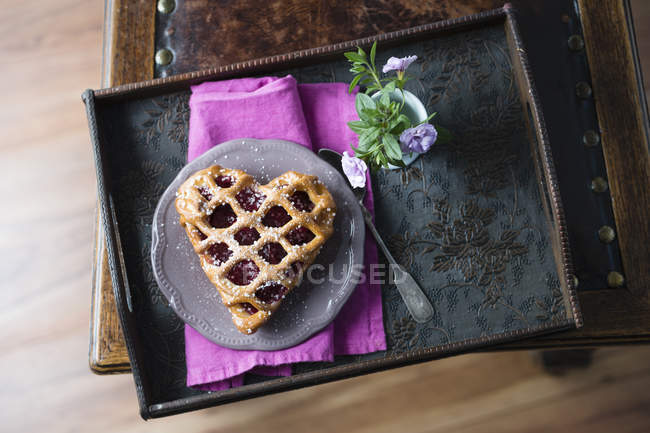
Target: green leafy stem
<point x="381" y="118"/>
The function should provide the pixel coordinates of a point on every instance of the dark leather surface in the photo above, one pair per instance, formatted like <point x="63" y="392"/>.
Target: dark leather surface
<point x="204" y="34"/>
<point x="467" y="219"/>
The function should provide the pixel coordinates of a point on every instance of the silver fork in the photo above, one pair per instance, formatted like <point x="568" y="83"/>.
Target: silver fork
<point x="416" y="301"/>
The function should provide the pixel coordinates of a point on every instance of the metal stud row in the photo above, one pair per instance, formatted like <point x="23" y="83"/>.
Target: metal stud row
<point x="599" y="184"/>
<point x="165" y="56"/>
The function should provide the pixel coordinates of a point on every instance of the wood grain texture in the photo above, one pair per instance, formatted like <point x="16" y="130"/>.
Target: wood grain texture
<point x="128" y="56"/>
<point x="641" y="17"/>
<point x="618" y="98"/>
<point x="611" y="316"/>
<point x="107" y="353"/>
<point x="132" y="40"/>
<point x="46" y="248"/>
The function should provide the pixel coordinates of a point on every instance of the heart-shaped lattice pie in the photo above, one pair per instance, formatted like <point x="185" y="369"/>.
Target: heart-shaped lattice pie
<point x="254" y="241"/>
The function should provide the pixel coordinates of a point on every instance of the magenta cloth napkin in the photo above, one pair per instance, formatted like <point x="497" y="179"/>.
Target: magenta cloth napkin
<point x="316" y="116"/>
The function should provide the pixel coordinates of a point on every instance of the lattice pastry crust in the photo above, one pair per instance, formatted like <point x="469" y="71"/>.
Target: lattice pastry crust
<point x="254" y="241"/>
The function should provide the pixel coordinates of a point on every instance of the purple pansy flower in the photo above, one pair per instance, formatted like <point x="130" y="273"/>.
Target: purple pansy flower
<point x="355" y="169"/>
<point x="398" y="64"/>
<point x="418" y="139"/>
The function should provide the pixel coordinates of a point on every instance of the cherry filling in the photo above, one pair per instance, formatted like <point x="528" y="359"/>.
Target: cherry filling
<point x="201" y="235"/>
<point x="224" y="181"/>
<point x="205" y="192"/>
<point x="249" y="199"/>
<point x="301" y="201"/>
<point x="243" y="272"/>
<point x="248" y="307"/>
<point x="300" y="235"/>
<point x="222" y="217"/>
<point x="270" y="292"/>
<point x="276" y="217"/>
<point x="218" y="253"/>
<point x="273" y="253"/>
<point x="247" y="236"/>
<point x="294" y="269"/>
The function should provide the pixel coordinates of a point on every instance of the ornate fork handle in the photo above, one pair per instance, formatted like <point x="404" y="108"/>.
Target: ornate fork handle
<point x="416" y="301"/>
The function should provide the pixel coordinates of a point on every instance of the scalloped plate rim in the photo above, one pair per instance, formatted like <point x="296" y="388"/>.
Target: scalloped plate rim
<point x="311" y="326"/>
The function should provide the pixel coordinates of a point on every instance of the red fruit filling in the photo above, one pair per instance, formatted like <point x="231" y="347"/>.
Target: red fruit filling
<point x="222" y="217"/>
<point x="300" y="235"/>
<point x="296" y="267"/>
<point x="301" y="201"/>
<point x="250" y="200"/>
<point x="276" y="217"/>
<point x="273" y="253"/>
<point x="243" y="272"/>
<point x="270" y="292"/>
<point x="218" y="253"/>
<point x="248" y="307"/>
<point x="247" y="236"/>
<point x="205" y="192"/>
<point x="224" y="181"/>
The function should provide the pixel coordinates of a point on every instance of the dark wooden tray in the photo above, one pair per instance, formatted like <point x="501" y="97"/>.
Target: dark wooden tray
<point x="488" y="203"/>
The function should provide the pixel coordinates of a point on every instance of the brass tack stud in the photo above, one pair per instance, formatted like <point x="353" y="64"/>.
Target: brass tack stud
<point x="164" y="57"/>
<point x="615" y="279"/>
<point x="576" y="43"/>
<point x="583" y="89"/>
<point x="166" y="6"/>
<point x="606" y="234"/>
<point x="591" y="138"/>
<point x="598" y="184"/>
<point x="575" y="281"/>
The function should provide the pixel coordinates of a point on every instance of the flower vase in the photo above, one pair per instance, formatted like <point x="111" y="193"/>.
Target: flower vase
<point x="415" y="110"/>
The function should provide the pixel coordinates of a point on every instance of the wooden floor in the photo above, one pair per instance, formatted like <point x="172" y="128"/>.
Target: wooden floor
<point x="50" y="52"/>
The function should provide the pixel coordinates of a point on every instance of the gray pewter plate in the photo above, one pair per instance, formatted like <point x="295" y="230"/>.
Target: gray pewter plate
<point x="309" y="307"/>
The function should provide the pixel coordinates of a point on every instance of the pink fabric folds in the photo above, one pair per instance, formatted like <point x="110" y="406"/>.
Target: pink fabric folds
<point x="315" y="116"/>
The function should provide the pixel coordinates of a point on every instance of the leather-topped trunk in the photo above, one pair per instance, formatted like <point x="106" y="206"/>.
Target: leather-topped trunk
<point x="494" y="187"/>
